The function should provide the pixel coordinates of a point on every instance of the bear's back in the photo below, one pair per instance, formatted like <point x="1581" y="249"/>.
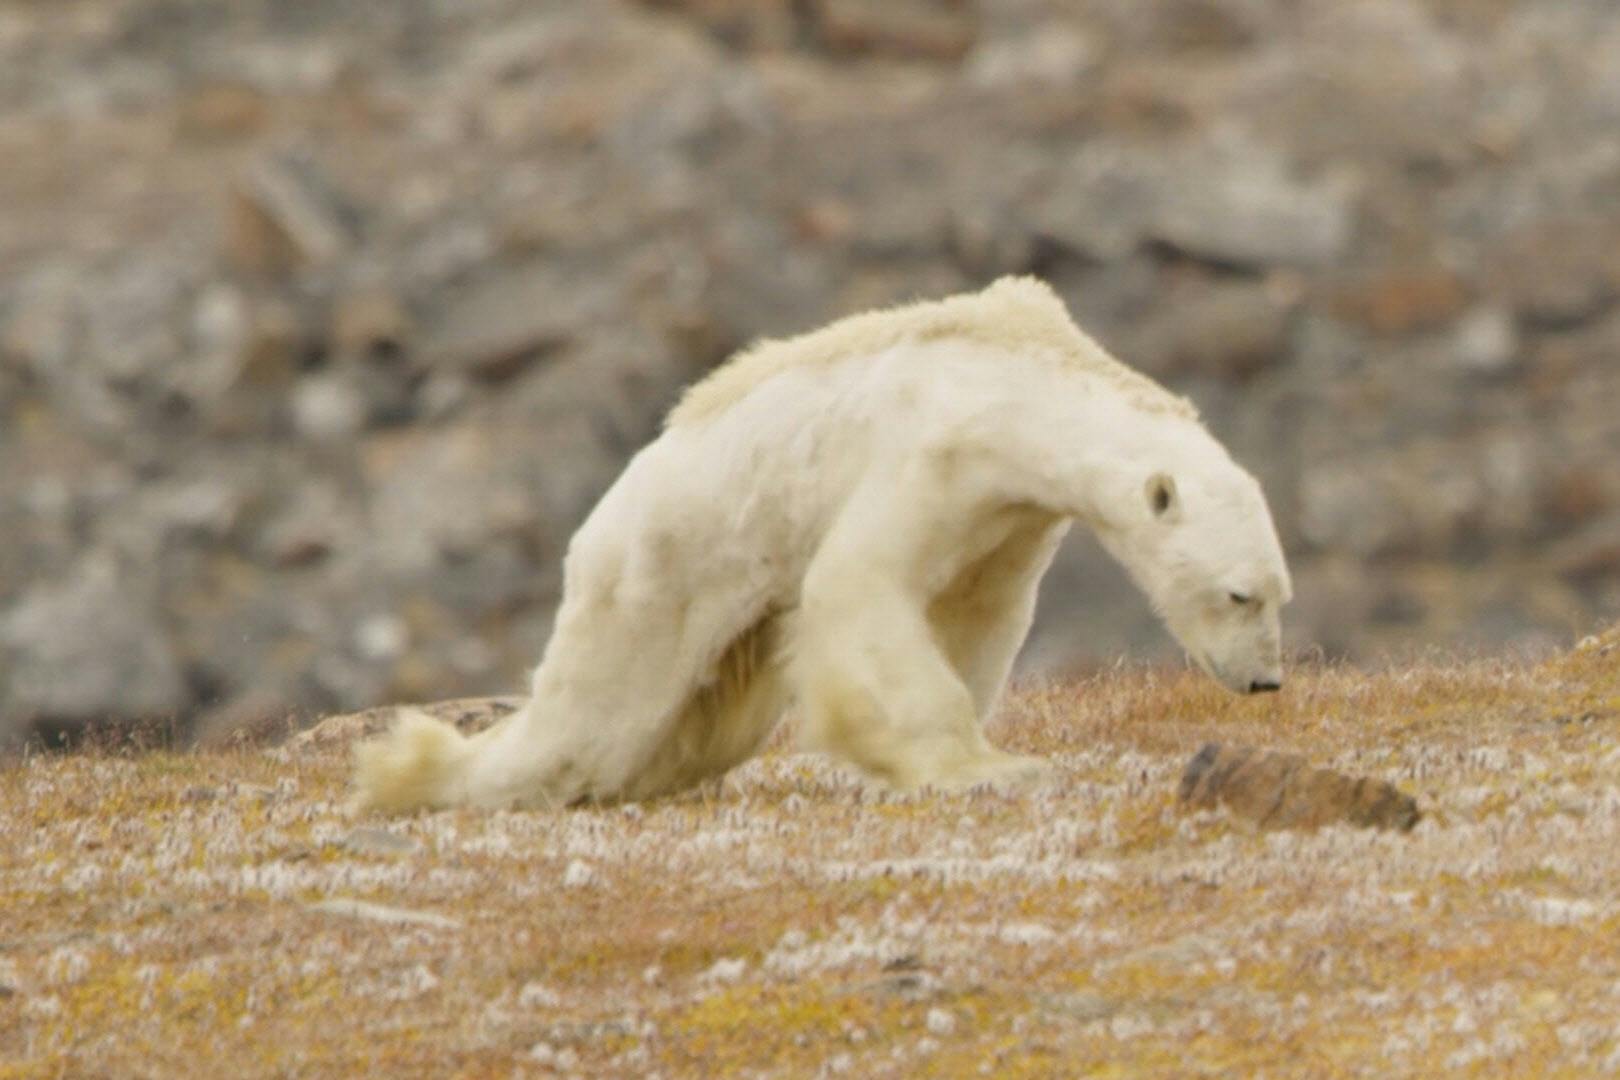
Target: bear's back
<point x="1014" y="314"/>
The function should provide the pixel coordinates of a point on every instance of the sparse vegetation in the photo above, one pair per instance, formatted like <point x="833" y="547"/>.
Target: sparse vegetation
<point x="165" y="909"/>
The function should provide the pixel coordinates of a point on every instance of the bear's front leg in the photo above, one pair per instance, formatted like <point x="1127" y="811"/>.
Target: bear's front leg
<point x="874" y="686"/>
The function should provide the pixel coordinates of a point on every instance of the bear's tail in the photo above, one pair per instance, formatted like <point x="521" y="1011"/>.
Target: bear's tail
<point x="419" y="763"/>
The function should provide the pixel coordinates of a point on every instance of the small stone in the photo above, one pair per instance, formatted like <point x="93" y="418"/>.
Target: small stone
<point x="223" y="110"/>
<point x="261" y="793"/>
<point x="372" y="841"/>
<point x="1082" y="1005"/>
<point x="250" y="359"/>
<point x="1403" y="301"/>
<point x="824" y="220"/>
<point x="496" y="328"/>
<point x="363" y="909"/>
<point x="578" y="875"/>
<point x="1279" y="791"/>
<point x="328" y="408"/>
<point x="1230" y="331"/>
<point x="913" y="986"/>
<point x="1592" y="554"/>
<point x="1557" y="274"/>
<point x="382" y="637"/>
<point x="743" y="24"/>
<point x="537" y="995"/>
<point x="369" y="322"/>
<point x="940" y="1022"/>
<point x="1206" y="26"/>
<point x="285" y="215"/>
<point x="920" y="29"/>
<point x="1238" y="204"/>
<point x="469" y="715"/>
<point x="1046" y="56"/>
<point x="726" y="970"/>
<point x="1485" y="341"/>
<point x="545" y="1054"/>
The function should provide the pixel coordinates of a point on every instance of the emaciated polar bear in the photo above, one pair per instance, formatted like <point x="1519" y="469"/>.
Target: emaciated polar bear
<point x="856" y="520"/>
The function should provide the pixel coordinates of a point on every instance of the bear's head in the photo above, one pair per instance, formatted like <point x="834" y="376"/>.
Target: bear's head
<point x="1199" y="541"/>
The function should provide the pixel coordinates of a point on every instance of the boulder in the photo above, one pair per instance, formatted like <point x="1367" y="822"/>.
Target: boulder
<point x="86" y="650"/>
<point x="1281" y="791"/>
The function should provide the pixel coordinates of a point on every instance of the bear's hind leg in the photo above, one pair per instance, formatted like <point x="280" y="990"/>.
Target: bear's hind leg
<point x="726" y="721"/>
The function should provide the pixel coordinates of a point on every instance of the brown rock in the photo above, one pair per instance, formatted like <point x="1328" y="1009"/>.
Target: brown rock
<point x="223" y="110"/>
<point x="497" y="327"/>
<point x="1557" y="274"/>
<point x="1280" y="791"/>
<point x="470" y="715"/>
<point x="259" y="370"/>
<point x="1592" y="554"/>
<point x="1404" y="301"/>
<point x="824" y="221"/>
<point x="744" y="24"/>
<point x="369" y="321"/>
<point x="284" y="215"/>
<point x="1232" y="331"/>
<point x="1205" y="26"/>
<point x="920" y="29"/>
<point x="1578" y="493"/>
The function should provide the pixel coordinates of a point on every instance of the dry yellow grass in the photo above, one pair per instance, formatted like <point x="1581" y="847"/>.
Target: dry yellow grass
<point x="180" y="914"/>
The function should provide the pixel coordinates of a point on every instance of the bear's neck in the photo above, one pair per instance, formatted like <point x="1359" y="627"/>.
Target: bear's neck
<point x="1091" y="449"/>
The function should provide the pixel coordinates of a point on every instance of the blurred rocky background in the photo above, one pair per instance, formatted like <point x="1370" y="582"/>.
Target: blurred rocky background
<point x="323" y="323"/>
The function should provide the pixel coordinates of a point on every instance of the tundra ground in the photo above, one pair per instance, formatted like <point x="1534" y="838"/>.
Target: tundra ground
<point x="163" y="910"/>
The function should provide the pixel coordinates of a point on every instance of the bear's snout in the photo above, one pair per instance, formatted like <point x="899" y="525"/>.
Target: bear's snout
<point x="1264" y="686"/>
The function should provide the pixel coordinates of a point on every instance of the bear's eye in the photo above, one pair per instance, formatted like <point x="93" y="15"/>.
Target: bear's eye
<point x="1240" y="599"/>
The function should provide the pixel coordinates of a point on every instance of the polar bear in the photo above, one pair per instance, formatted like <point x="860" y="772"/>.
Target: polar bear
<point x="855" y="522"/>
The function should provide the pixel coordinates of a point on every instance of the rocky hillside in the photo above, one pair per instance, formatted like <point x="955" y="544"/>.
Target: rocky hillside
<point x="322" y="324"/>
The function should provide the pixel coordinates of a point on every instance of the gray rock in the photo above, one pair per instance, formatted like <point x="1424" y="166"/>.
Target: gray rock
<point x="1230" y="331"/>
<point x="329" y="407"/>
<point x="1236" y="201"/>
<point x="1558" y="273"/>
<point x="286" y="214"/>
<point x="88" y="649"/>
<point x="382" y="913"/>
<point x="1080" y="1005"/>
<point x="1226" y="198"/>
<point x="929" y="29"/>
<point x="497" y="327"/>
<point x="1485" y="341"/>
<point x="372" y="841"/>
<point x="1050" y="55"/>
<point x="1345" y="507"/>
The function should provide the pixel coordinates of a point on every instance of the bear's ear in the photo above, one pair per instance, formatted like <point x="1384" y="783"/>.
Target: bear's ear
<point x="1161" y="496"/>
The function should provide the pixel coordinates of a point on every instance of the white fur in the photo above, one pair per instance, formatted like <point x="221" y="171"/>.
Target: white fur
<point x="857" y="521"/>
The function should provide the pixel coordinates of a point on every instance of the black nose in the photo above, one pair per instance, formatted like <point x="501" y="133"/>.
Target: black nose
<point x="1264" y="686"/>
